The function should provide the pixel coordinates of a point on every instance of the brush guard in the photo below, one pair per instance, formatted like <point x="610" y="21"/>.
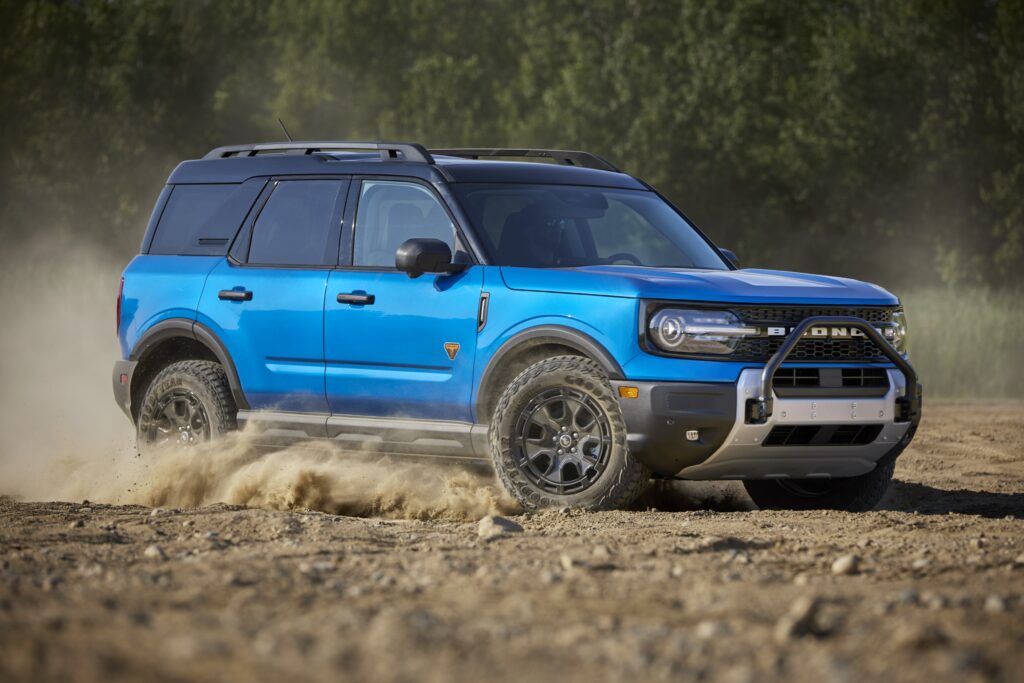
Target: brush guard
<point x="908" y="407"/>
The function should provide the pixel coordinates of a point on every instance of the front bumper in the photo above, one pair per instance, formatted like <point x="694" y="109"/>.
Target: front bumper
<point x="122" y="381"/>
<point x="745" y="454"/>
<point x="722" y="431"/>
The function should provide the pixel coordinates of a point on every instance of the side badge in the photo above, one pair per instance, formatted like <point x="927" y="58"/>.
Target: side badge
<point x="452" y="349"/>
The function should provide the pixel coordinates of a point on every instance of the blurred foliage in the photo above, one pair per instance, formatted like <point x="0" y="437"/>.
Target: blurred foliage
<point x="873" y="139"/>
<point x="966" y="342"/>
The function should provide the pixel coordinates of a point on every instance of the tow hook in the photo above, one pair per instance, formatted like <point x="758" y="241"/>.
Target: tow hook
<point x="758" y="410"/>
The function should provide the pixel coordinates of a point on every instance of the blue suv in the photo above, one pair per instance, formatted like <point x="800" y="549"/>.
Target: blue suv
<point x="537" y="308"/>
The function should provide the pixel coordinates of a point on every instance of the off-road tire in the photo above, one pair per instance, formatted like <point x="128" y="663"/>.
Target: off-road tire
<point x="206" y="381"/>
<point x="623" y="478"/>
<point x="851" y="494"/>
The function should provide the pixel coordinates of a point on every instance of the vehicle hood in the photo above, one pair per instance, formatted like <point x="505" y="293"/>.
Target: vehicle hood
<point x="733" y="286"/>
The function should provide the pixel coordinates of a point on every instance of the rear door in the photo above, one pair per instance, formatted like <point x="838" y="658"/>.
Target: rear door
<point x="266" y="301"/>
<point x="397" y="346"/>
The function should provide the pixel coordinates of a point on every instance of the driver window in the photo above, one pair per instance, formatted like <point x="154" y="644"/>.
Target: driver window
<point x="623" y="231"/>
<point x="390" y="213"/>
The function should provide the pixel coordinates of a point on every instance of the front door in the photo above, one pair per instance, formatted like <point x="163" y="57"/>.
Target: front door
<point x="397" y="346"/>
<point x="267" y="306"/>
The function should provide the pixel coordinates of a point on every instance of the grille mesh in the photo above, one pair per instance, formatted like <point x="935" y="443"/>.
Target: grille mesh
<point x="794" y="314"/>
<point x="856" y="349"/>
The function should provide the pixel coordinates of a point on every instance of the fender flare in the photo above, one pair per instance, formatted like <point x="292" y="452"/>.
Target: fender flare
<point x="190" y="329"/>
<point x="546" y="334"/>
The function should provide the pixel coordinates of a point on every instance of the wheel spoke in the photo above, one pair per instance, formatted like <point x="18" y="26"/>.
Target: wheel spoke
<point x="576" y="412"/>
<point x="534" y="448"/>
<point x="554" y="471"/>
<point x="590" y="442"/>
<point x="544" y="419"/>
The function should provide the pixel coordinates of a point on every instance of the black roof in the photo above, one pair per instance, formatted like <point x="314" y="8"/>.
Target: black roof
<point x="238" y="163"/>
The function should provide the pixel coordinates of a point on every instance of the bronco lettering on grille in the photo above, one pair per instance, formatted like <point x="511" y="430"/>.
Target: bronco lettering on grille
<point x="824" y="332"/>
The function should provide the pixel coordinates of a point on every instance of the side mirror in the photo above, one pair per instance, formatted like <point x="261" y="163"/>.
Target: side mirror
<point x="421" y="255"/>
<point x="731" y="255"/>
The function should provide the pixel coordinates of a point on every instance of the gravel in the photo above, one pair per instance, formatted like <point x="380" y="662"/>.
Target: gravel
<point x="717" y="593"/>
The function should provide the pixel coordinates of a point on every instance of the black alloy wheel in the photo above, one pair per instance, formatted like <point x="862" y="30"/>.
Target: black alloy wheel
<point x="562" y="440"/>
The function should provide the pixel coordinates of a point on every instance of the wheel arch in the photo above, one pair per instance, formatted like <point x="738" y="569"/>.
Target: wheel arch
<point x="179" y="339"/>
<point x="527" y="347"/>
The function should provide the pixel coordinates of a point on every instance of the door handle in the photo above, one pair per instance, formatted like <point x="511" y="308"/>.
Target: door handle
<point x="354" y="298"/>
<point x="235" y="295"/>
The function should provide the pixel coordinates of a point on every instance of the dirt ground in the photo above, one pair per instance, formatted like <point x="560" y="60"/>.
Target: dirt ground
<point x="92" y="592"/>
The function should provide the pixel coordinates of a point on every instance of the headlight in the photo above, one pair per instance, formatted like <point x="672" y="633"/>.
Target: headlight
<point x="691" y="331"/>
<point x="900" y="332"/>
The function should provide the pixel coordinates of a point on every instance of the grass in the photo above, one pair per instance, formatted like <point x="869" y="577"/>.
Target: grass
<point x="967" y="342"/>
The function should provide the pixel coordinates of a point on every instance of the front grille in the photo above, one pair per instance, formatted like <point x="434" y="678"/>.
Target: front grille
<point x="830" y="382"/>
<point x="811" y="350"/>
<point x="793" y="314"/>
<point x="822" y="435"/>
<point x="865" y="377"/>
<point x="857" y="349"/>
<point x="786" y="378"/>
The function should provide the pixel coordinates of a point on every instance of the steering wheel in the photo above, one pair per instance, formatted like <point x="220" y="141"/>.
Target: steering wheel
<point x="623" y="256"/>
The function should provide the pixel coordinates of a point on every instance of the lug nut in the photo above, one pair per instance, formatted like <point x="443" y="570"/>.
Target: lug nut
<point x="560" y="451"/>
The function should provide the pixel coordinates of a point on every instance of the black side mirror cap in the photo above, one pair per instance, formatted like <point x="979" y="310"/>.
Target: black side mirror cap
<point x="731" y="255"/>
<point x="422" y="255"/>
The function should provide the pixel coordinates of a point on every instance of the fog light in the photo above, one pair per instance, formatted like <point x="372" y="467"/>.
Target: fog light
<point x="629" y="392"/>
<point x="692" y="435"/>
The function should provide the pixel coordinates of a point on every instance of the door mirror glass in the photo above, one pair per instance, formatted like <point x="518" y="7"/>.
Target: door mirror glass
<point x="425" y="255"/>
<point x="731" y="255"/>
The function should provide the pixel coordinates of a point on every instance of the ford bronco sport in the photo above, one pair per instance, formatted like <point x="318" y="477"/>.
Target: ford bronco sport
<point x="562" y="319"/>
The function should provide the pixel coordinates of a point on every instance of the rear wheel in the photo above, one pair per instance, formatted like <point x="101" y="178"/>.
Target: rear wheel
<point x="187" y="403"/>
<point x="852" y="494"/>
<point x="558" y="439"/>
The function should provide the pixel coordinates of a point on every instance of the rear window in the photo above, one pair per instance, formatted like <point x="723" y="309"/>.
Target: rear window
<point x="201" y="220"/>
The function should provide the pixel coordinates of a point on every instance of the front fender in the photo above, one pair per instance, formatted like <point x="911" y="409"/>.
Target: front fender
<point x="602" y="328"/>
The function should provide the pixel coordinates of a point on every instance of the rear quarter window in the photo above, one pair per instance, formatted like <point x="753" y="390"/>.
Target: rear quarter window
<point x="202" y="220"/>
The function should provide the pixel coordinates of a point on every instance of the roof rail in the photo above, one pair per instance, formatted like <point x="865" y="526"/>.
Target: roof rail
<point x="561" y="156"/>
<point x="389" y="151"/>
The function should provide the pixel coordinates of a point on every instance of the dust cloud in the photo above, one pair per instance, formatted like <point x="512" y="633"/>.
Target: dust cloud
<point x="63" y="438"/>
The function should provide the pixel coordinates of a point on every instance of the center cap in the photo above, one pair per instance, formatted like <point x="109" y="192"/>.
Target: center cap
<point x="565" y="441"/>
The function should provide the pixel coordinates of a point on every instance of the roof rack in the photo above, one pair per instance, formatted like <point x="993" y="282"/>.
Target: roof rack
<point x="389" y="151"/>
<point x="561" y="156"/>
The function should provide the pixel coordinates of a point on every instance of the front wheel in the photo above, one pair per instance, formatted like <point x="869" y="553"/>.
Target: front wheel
<point x="187" y="403"/>
<point x="558" y="439"/>
<point x="851" y="494"/>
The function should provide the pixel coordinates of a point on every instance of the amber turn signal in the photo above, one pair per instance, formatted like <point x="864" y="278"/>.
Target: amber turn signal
<point x="629" y="392"/>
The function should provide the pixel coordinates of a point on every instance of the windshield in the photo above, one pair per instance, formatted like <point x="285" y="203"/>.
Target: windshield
<point x="557" y="226"/>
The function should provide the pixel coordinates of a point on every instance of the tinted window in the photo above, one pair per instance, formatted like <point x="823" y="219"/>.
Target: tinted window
<point x="551" y="226"/>
<point x="296" y="225"/>
<point x="390" y="213"/>
<point x="195" y="222"/>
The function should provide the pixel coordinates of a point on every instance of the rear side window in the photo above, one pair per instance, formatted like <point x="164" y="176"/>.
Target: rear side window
<point x="297" y="225"/>
<point x="201" y="220"/>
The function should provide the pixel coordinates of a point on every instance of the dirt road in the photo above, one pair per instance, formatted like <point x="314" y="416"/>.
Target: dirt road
<point x="934" y="589"/>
